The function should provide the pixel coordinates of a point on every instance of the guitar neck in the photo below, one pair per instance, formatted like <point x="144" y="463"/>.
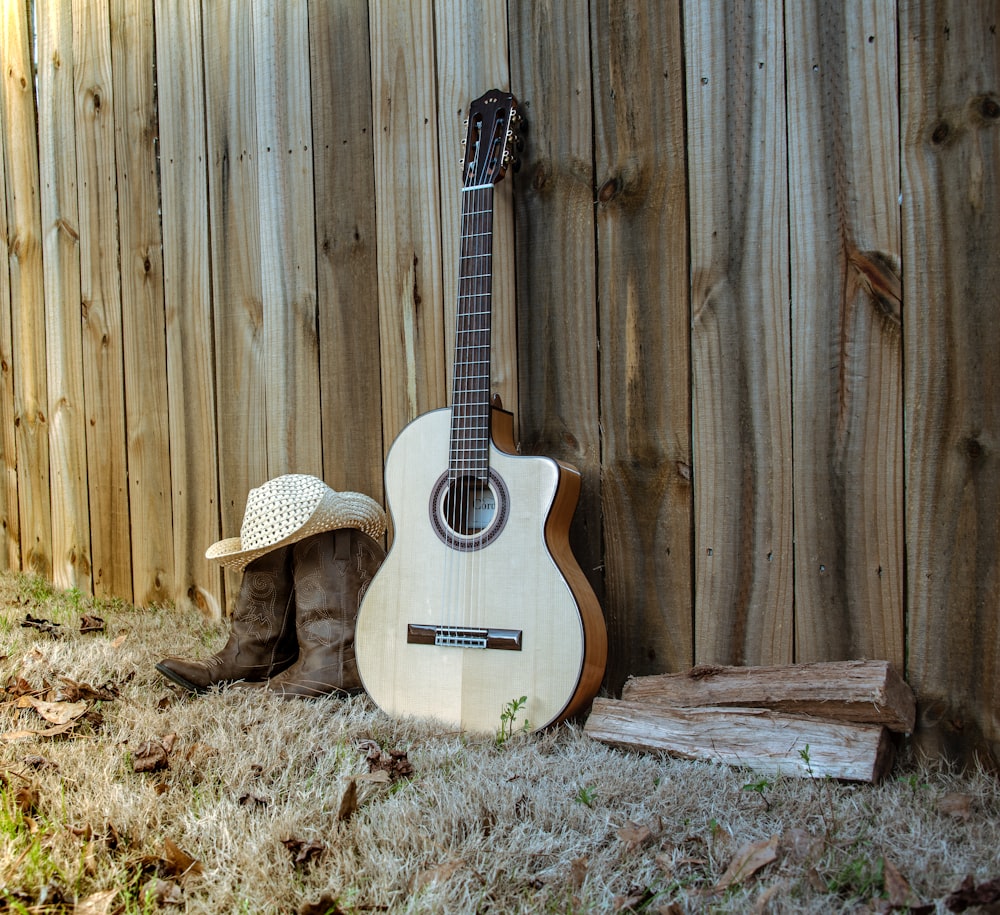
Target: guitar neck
<point x="470" y="423"/>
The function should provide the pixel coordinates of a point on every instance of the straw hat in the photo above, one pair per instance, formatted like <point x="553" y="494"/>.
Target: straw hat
<point x="290" y="508"/>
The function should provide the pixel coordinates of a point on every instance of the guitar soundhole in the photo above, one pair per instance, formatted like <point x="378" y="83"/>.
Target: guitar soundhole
<point x="468" y="513"/>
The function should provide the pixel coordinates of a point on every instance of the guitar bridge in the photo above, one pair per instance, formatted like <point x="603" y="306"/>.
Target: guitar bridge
<point x="463" y="636"/>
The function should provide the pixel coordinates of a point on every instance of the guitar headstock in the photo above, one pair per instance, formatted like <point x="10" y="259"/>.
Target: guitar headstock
<point x="492" y="140"/>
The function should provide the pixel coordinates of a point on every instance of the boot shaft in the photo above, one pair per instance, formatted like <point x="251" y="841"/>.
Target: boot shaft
<point x="331" y="572"/>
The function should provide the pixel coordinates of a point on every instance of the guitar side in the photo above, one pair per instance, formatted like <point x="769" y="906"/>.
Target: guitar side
<point x="522" y="586"/>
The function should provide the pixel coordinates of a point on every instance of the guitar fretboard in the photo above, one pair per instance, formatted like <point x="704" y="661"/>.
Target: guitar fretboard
<point x="470" y="412"/>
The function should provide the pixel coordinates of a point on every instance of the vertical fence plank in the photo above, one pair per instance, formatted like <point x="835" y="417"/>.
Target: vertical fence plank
<point x="100" y="291"/>
<point x="71" y="560"/>
<point x="26" y="293"/>
<point x="644" y="319"/>
<point x="240" y="357"/>
<point x="556" y="282"/>
<point x="347" y="290"/>
<point x="187" y="296"/>
<point x="740" y="333"/>
<point x="141" y="269"/>
<point x="950" y="81"/>
<point x="846" y="321"/>
<point x="408" y="211"/>
<point x="288" y="237"/>
<point x="472" y="57"/>
<point x="10" y="548"/>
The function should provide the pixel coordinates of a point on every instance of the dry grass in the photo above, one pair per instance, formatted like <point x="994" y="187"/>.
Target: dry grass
<point x="550" y="822"/>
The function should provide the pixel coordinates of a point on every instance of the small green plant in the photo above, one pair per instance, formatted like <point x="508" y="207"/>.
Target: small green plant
<point x="804" y="755"/>
<point x="761" y="787"/>
<point x="914" y="782"/>
<point x="508" y="717"/>
<point x="586" y="795"/>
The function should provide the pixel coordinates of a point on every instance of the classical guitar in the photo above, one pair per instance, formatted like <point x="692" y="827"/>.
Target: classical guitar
<point x="480" y="601"/>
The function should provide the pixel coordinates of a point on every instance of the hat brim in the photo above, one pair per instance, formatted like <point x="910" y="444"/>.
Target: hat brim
<point x="336" y="510"/>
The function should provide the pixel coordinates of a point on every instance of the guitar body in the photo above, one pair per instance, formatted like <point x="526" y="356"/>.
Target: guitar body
<point x="464" y="617"/>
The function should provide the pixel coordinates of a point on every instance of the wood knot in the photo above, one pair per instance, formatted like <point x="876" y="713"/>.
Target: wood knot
<point x="940" y="133"/>
<point x="987" y="108"/>
<point x="540" y="179"/>
<point x="609" y="190"/>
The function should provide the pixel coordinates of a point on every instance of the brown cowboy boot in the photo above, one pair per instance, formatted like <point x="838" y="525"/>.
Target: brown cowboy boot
<point x="331" y="572"/>
<point x="262" y="639"/>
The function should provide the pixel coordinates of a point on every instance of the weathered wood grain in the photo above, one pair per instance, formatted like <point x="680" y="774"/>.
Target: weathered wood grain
<point x="740" y="336"/>
<point x="556" y="276"/>
<point x="234" y="225"/>
<point x="346" y="265"/>
<point x="870" y="692"/>
<point x="141" y="269"/>
<point x="408" y="209"/>
<point x="71" y="561"/>
<point x="100" y="291"/>
<point x="195" y="583"/>
<point x="769" y="742"/>
<point x="26" y="293"/>
<point x="847" y="337"/>
<point x="473" y="57"/>
<point x="642" y="261"/>
<point x="10" y="530"/>
<point x="288" y="237"/>
<point x="950" y="87"/>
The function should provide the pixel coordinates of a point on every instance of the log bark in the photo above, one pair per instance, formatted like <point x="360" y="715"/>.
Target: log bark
<point x="774" y="743"/>
<point x="861" y="692"/>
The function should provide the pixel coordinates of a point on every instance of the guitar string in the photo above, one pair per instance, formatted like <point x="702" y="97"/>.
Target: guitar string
<point x="470" y="442"/>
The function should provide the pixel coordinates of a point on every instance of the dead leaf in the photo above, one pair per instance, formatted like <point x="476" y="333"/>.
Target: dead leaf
<point x="762" y="904"/>
<point x="378" y="777"/>
<point x="971" y="894"/>
<point x="59" y="712"/>
<point x="634" y="834"/>
<point x="150" y="757"/>
<point x="96" y="903"/>
<point x="18" y="686"/>
<point x="26" y="798"/>
<point x="394" y="762"/>
<point x="900" y="892"/>
<point x="303" y="853"/>
<point x="71" y="691"/>
<point x="956" y="805"/>
<point x="325" y="905"/>
<point x="91" y="624"/>
<point x="578" y="872"/>
<point x="43" y="625"/>
<point x="162" y="892"/>
<point x="118" y="642"/>
<point x="747" y="861"/>
<point x="53" y="731"/>
<point x="177" y="862"/>
<point x="349" y="802"/>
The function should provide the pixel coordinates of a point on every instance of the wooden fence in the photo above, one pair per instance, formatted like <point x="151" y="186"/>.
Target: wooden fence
<point x="230" y="240"/>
